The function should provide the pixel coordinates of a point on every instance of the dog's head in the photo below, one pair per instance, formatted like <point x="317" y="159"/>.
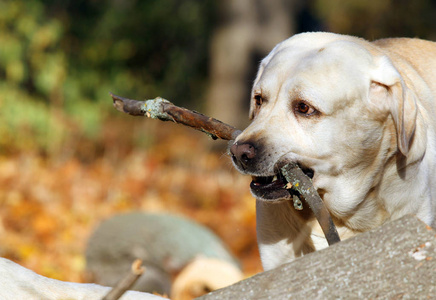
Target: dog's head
<point x="335" y="105"/>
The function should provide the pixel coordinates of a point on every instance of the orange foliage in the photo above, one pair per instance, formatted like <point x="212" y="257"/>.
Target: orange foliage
<point x="49" y="207"/>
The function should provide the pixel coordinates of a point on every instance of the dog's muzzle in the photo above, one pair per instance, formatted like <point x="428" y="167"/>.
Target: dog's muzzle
<point x="246" y="157"/>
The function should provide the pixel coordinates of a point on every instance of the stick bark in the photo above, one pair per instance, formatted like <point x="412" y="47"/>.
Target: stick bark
<point x="164" y="110"/>
<point x="302" y="184"/>
<point x="127" y="282"/>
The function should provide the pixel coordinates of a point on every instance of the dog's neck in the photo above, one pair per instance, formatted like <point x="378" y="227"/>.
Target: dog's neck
<point x="282" y="235"/>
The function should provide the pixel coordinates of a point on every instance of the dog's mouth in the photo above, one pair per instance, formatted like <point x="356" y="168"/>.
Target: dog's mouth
<point x="273" y="188"/>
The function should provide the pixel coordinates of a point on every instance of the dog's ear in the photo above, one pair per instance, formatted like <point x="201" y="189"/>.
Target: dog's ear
<point x="389" y="93"/>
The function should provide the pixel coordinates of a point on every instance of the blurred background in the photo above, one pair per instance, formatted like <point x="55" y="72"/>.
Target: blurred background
<point x="68" y="160"/>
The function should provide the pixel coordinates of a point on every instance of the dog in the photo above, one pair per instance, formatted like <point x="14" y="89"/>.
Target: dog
<point x="358" y="117"/>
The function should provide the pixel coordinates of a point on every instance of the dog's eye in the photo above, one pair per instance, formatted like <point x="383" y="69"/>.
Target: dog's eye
<point x="258" y="100"/>
<point x="303" y="108"/>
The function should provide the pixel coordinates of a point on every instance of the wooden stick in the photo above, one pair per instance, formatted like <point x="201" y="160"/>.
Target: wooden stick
<point x="303" y="185"/>
<point x="164" y="110"/>
<point x="127" y="282"/>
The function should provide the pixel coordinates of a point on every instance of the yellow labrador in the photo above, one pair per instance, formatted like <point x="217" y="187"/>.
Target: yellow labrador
<point x="357" y="116"/>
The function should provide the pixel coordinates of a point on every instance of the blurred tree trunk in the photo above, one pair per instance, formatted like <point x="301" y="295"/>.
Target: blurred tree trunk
<point x="247" y="31"/>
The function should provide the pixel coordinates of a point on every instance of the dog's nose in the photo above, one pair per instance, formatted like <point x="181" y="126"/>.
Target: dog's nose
<point x="242" y="154"/>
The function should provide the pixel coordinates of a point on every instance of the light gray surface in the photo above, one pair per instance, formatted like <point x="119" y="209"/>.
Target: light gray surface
<point x="395" y="261"/>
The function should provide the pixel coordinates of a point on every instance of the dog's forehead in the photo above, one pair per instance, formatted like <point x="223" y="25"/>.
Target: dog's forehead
<point x="322" y="68"/>
<point x="293" y="58"/>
